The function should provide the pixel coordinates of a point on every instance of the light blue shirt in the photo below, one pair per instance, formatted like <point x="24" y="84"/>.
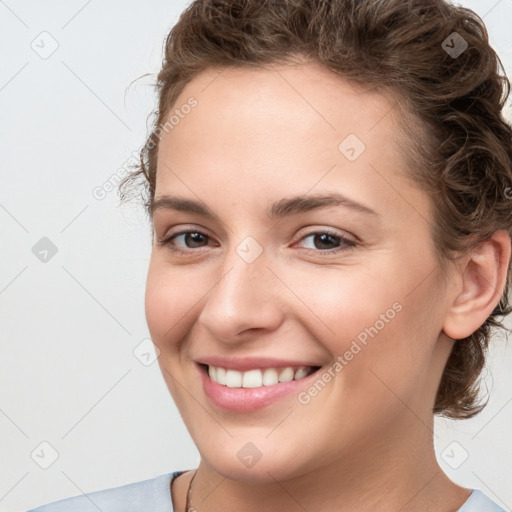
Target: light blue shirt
<point x="154" y="495"/>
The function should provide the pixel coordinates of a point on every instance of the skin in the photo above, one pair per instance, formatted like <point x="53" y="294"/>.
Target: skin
<point x="365" y="442"/>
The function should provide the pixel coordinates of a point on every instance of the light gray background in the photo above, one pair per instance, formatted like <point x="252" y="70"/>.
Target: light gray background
<point x="69" y="376"/>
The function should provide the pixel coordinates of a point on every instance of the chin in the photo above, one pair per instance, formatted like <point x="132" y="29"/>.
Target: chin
<point x="250" y="465"/>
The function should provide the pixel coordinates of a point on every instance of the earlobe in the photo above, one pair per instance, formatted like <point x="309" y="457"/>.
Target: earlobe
<point x="483" y="277"/>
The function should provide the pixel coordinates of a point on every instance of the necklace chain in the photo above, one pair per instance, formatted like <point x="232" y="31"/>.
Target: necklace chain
<point x="189" y="492"/>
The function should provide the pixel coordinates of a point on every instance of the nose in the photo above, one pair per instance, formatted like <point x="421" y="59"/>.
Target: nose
<point x="244" y="300"/>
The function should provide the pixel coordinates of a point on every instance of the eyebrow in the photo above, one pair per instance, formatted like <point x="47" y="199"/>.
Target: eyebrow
<point x="281" y="208"/>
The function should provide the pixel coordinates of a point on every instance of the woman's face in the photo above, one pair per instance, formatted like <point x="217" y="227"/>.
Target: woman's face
<point x="280" y="269"/>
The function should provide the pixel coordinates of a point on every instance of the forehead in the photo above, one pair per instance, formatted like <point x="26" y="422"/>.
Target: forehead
<point x="283" y="128"/>
<point x="304" y="105"/>
<point x="325" y="102"/>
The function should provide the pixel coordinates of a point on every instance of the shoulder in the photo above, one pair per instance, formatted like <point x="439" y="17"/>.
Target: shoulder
<point x="153" y="494"/>
<point x="479" y="502"/>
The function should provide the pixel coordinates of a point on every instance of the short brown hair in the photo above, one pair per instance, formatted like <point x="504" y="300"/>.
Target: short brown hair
<point x="403" y="47"/>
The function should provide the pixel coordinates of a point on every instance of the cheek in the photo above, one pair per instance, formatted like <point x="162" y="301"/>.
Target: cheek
<point x="373" y="322"/>
<point x="168" y="306"/>
<point x="350" y="304"/>
<point x="169" y="302"/>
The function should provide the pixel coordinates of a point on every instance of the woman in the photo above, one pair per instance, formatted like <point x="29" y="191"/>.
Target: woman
<point x="329" y="184"/>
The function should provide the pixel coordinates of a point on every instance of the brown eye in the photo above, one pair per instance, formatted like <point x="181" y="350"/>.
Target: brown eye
<point x="324" y="241"/>
<point x="186" y="240"/>
<point x="194" y="239"/>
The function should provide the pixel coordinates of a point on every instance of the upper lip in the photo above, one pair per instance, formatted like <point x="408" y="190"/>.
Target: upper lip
<point x="250" y="363"/>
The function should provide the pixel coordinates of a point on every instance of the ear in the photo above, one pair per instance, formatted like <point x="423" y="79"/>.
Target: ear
<point x="481" y="282"/>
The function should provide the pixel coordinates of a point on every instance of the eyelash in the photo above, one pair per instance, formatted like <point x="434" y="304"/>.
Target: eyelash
<point x="348" y="244"/>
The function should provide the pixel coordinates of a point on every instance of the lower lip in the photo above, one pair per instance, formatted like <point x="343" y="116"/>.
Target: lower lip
<point x="249" y="399"/>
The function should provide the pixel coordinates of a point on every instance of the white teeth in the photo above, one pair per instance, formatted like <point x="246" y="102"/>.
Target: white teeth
<point x="270" y="377"/>
<point x="220" y="375"/>
<point x="256" y="378"/>
<point x="300" y="373"/>
<point x="286" y="374"/>
<point x="252" y="379"/>
<point x="233" y="379"/>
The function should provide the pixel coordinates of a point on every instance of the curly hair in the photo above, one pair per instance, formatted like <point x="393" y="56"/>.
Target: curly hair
<point x="435" y="58"/>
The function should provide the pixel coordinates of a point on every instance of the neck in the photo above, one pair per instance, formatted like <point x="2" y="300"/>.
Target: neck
<point x="386" y="474"/>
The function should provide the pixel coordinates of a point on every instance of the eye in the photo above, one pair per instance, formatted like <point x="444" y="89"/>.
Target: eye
<point x="326" y="241"/>
<point x="185" y="240"/>
<point x="319" y="242"/>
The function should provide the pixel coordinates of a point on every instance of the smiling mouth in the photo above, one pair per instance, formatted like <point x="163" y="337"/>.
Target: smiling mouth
<point x="257" y="377"/>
